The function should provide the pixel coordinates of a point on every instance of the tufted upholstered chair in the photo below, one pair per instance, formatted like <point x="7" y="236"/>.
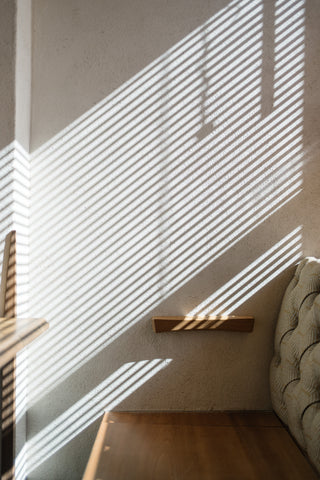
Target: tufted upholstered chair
<point x="295" y="367"/>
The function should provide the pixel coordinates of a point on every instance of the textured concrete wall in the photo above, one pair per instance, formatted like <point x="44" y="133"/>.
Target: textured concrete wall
<point x="23" y="73"/>
<point x="175" y="156"/>
<point x="7" y="66"/>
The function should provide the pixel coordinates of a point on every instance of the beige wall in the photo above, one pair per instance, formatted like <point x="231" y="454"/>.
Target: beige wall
<point x="15" y="79"/>
<point x="23" y="73"/>
<point x="7" y="64"/>
<point x="175" y="157"/>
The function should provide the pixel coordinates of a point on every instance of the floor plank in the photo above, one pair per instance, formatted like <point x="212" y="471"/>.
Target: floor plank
<point x="195" y="446"/>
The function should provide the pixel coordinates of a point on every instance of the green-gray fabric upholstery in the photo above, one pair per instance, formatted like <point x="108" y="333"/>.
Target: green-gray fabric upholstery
<point x="295" y="367"/>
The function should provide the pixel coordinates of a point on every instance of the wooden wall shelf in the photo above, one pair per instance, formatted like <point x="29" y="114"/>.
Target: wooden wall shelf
<point x="232" y="323"/>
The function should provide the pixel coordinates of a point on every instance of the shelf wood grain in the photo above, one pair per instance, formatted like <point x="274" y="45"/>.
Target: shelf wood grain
<point x="232" y="323"/>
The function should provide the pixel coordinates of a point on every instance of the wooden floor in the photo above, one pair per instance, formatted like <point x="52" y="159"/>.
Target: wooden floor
<point x="195" y="446"/>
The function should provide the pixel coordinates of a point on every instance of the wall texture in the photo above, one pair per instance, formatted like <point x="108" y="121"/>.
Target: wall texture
<point x="23" y="73"/>
<point x="7" y="65"/>
<point x="174" y="159"/>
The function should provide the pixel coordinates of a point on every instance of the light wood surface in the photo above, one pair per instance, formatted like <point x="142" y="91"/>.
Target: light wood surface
<point x="232" y="323"/>
<point x="195" y="446"/>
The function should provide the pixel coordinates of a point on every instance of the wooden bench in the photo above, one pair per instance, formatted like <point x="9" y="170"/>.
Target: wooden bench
<point x="195" y="446"/>
<point x="239" y="446"/>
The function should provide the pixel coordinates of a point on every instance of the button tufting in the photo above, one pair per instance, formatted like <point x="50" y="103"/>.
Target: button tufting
<point x="295" y="368"/>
